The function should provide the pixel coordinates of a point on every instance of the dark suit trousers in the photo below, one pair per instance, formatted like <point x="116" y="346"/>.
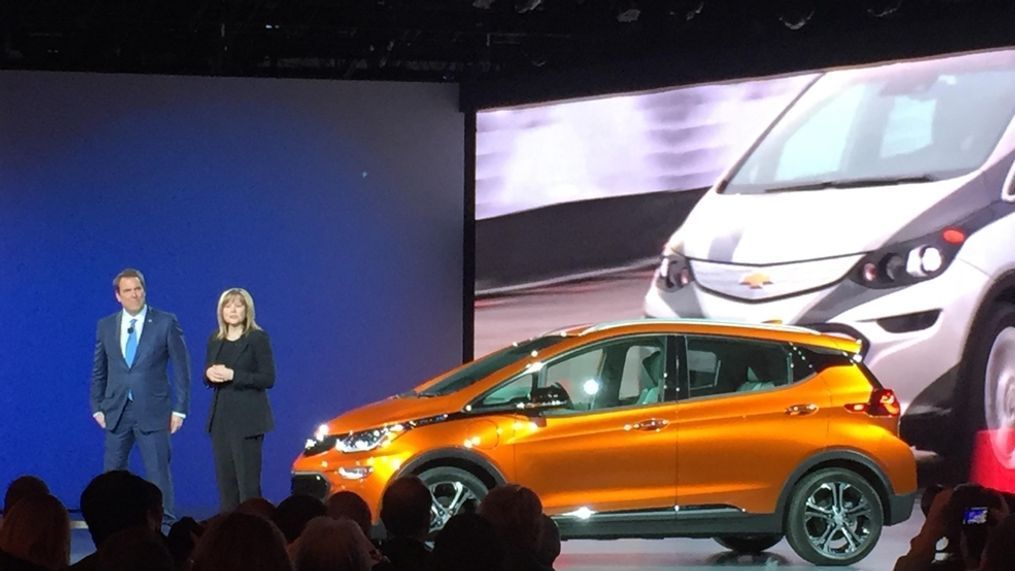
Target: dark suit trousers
<point x="155" y="454"/>
<point x="237" y="466"/>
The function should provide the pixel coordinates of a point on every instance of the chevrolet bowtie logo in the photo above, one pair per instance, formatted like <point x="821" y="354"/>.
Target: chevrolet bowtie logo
<point x="756" y="280"/>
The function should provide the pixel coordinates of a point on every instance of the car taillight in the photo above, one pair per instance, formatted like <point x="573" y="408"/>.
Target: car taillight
<point x="882" y="403"/>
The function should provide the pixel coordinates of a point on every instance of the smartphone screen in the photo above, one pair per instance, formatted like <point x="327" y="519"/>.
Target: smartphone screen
<point x="975" y="516"/>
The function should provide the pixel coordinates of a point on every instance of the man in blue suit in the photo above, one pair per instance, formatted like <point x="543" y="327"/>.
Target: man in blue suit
<point x="130" y="392"/>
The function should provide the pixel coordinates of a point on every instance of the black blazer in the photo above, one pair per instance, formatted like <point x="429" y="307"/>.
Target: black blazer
<point x="242" y="404"/>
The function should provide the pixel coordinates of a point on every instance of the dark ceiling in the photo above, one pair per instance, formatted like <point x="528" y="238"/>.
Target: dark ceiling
<point x="487" y="42"/>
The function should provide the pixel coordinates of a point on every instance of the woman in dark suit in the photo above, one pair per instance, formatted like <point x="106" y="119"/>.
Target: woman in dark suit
<point x="241" y="369"/>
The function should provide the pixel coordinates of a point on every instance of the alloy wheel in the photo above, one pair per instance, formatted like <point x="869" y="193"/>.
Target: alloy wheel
<point x="999" y="397"/>
<point x="837" y="519"/>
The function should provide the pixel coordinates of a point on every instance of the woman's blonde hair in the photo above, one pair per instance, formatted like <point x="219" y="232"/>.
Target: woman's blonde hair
<point x="248" y="302"/>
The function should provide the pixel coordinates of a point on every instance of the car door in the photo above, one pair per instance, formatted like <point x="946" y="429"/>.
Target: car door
<point x="612" y="448"/>
<point x="750" y="412"/>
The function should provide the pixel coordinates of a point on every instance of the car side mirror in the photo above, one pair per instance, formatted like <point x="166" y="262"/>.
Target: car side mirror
<point x="553" y="396"/>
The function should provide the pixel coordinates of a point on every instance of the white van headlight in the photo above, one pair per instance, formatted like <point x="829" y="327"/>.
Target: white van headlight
<point x="674" y="272"/>
<point x="912" y="261"/>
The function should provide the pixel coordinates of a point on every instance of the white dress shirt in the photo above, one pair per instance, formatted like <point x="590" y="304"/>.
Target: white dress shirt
<point x="138" y="328"/>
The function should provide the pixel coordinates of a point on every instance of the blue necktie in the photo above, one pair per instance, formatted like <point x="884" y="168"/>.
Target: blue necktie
<point x="130" y="351"/>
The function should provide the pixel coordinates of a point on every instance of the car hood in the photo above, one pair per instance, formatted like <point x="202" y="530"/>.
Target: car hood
<point x="785" y="227"/>
<point x="392" y="410"/>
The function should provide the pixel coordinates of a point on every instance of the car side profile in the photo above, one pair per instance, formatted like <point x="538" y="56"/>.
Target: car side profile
<point x="648" y="428"/>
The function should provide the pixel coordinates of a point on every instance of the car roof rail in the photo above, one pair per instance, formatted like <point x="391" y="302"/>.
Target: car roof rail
<point x="683" y="321"/>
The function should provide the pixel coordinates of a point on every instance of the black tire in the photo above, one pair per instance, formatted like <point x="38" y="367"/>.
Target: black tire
<point x="834" y="517"/>
<point x="454" y="491"/>
<point x="984" y="389"/>
<point x="748" y="543"/>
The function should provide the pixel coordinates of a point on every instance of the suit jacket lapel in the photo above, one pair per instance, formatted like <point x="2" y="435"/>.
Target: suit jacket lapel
<point x="144" y="343"/>
<point x="115" y="335"/>
<point x="214" y="352"/>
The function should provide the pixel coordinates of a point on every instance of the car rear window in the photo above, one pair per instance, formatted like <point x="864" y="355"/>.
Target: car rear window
<point x="718" y="365"/>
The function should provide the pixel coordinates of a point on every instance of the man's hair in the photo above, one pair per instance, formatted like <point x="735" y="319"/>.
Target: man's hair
<point x="329" y="544"/>
<point x="405" y="507"/>
<point x="114" y="501"/>
<point x="135" y="548"/>
<point x="351" y="505"/>
<point x="128" y="273"/>
<point x="241" y="542"/>
<point x="182" y="538"/>
<point x="516" y="513"/>
<point x="467" y="542"/>
<point x="38" y="531"/>
<point x="23" y="487"/>
<point x="548" y="546"/>
<point x="293" y="513"/>
<point x="257" y="506"/>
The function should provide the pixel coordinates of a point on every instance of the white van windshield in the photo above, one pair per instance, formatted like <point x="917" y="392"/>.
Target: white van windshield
<point x="892" y="124"/>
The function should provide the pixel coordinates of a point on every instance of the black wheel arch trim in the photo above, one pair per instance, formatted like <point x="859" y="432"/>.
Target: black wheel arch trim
<point x="455" y="458"/>
<point x="994" y="295"/>
<point x="844" y="458"/>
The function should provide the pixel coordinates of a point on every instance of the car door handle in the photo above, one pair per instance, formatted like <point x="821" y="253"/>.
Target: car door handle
<point x="801" y="409"/>
<point x="650" y="424"/>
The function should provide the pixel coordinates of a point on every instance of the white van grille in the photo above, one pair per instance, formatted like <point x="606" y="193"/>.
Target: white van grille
<point x="755" y="283"/>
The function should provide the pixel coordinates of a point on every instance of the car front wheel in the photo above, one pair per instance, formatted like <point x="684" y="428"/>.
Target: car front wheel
<point x="834" y="518"/>
<point x="454" y="490"/>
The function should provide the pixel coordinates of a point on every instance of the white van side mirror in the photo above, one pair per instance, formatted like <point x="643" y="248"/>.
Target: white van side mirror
<point x="1008" y="190"/>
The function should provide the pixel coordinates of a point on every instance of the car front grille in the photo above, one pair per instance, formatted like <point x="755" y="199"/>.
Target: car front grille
<point x="312" y="485"/>
<point x="758" y="283"/>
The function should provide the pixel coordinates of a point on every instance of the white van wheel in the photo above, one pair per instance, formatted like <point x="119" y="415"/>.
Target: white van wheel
<point x="999" y="395"/>
<point x="990" y="392"/>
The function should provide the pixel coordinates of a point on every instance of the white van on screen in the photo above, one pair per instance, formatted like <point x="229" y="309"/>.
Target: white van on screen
<point x="881" y="203"/>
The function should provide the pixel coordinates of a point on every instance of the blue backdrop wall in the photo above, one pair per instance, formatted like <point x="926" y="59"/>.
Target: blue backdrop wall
<point x="339" y="205"/>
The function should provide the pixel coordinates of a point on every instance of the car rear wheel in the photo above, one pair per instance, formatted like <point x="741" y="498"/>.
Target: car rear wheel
<point x="834" y="517"/>
<point x="992" y="373"/>
<point x="454" y="490"/>
<point x="748" y="543"/>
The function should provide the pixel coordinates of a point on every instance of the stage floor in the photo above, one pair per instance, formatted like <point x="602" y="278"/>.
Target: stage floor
<point x="704" y="554"/>
<point x="696" y="554"/>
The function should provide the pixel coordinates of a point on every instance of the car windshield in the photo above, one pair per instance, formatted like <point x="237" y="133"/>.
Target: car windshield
<point x="895" y="124"/>
<point x="484" y="366"/>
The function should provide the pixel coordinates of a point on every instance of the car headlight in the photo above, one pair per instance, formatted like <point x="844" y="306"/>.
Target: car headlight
<point x="369" y="439"/>
<point x="674" y="272"/>
<point x="364" y="440"/>
<point x="911" y="261"/>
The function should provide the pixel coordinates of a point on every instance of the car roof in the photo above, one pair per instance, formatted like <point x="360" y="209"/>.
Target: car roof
<point x="761" y="331"/>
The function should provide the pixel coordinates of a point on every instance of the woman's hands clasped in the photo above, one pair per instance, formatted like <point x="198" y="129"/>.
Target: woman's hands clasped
<point x="219" y="374"/>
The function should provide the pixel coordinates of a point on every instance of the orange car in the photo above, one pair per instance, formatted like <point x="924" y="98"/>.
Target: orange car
<point x="648" y="428"/>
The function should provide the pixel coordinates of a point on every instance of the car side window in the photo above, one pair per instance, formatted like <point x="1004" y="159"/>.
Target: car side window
<point x="512" y="392"/>
<point x="616" y="374"/>
<point x="721" y="365"/>
<point x="628" y="372"/>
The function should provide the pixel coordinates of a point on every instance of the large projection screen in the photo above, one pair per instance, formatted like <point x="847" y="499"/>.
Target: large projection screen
<point x="338" y="205"/>
<point x="876" y="201"/>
